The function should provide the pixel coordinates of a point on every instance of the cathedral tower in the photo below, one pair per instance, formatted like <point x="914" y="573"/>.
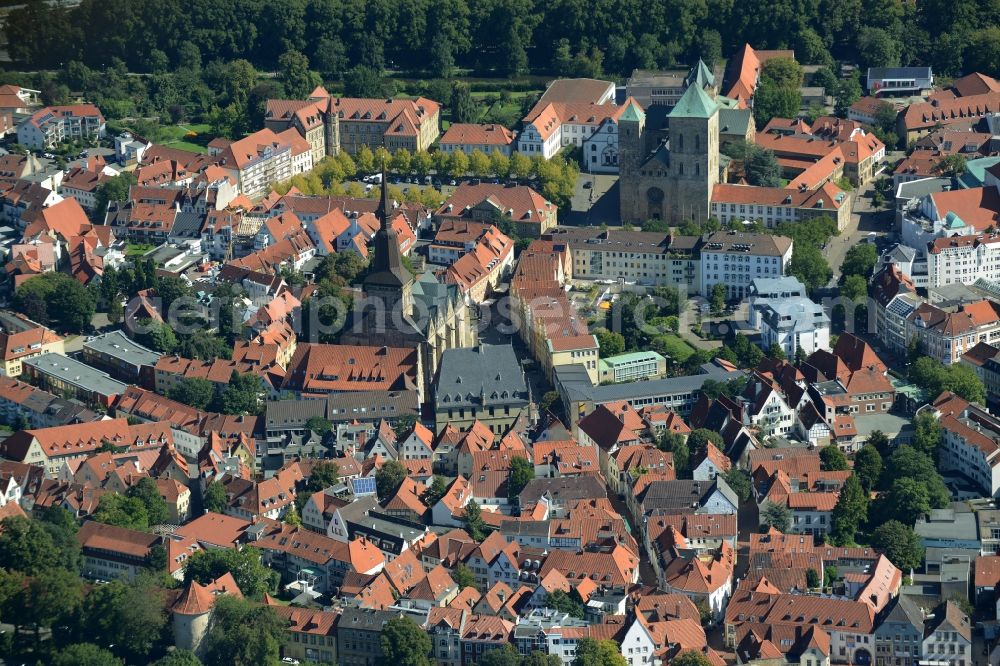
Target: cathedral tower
<point x="693" y="167"/>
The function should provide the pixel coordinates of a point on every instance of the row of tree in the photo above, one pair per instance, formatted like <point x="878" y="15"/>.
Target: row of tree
<point x="509" y="37"/>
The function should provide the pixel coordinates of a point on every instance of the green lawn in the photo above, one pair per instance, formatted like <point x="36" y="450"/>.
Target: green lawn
<point x="176" y="136"/>
<point x="676" y="348"/>
<point x="138" y="249"/>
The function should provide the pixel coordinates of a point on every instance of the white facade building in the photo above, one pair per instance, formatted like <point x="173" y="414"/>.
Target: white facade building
<point x="793" y="324"/>
<point x="737" y="259"/>
<point x="963" y="259"/>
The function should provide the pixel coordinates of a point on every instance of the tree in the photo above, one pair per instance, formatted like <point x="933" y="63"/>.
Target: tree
<point x="242" y="395"/>
<point x="878" y="48"/>
<point x="776" y="515"/>
<point x="830" y="574"/>
<point x="463" y="108"/>
<point x="291" y="517"/>
<point x="178" y="658"/>
<point x="676" y="444"/>
<point x="405" y="643"/>
<point x="401" y="161"/>
<point x="690" y="658"/>
<point x="214" y="499"/>
<point x="776" y="352"/>
<point x="549" y="398"/>
<point x="365" y="160"/>
<point x="566" y="602"/>
<point x="252" y="577"/>
<point x="26" y="546"/>
<point x="520" y="166"/>
<point x="833" y="459"/>
<point x="699" y="438"/>
<point x="907" y="500"/>
<point x="421" y="163"/>
<point x="926" y="434"/>
<point x="761" y="167"/>
<point x="899" y="543"/>
<point x="592" y="652"/>
<point x="193" y="391"/>
<point x="479" y="163"/>
<point x="868" y="467"/>
<point x="319" y="425"/>
<point x="859" y="260"/>
<point x="388" y="479"/>
<point x="296" y="76"/>
<point x="849" y="513"/>
<point x="739" y="480"/>
<point x="952" y="166"/>
<point x="472" y="519"/>
<point x="538" y="658"/>
<point x="775" y="101"/>
<point x="458" y="164"/>
<point x="609" y="344"/>
<point x="130" y="616"/>
<point x="58" y="300"/>
<point x="812" y="579"/>
<point x="854" y="287"/>
<point x="463" y="577"/>
<point x="434" y="492"/>
<point x="243" y="633"/>
<point x="521" y="472"/>
<point x="115" y="188"/>
<point x="809" y="266"/>
<point x="499" y="164"/>
<point x="505" y="655"/>
<point x="85" y="654"/>
<point x="367" y="82"/>
<point x="325" y="474"/>
<point x="718" y="298"/>
<point x="146" y="492"/>
<point x="49" y="596"/>
<point x="122" y="511"/>
<point x="783" y="72"/>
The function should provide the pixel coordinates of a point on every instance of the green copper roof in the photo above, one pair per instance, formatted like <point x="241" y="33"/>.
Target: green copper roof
<point x="633" y="112"/>
<point x="701" y="75"/>
<point x="695" y="103"/>
<point x="953" y="221"/>
<point x="975" y="171"/>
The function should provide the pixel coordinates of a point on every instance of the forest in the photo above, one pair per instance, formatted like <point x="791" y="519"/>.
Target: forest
<point x="505" y="38"/>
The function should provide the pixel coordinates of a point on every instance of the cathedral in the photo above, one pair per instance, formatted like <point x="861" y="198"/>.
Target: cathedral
<point x="669" y="159"/>
<point x="400" y="311"/>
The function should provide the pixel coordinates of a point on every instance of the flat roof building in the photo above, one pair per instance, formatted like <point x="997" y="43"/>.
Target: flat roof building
<point x="119" y="356"/>
<point x="55" y="372"/>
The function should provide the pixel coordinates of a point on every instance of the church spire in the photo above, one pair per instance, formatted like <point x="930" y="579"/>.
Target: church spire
<point x="388" y="269"/>
<point x="383" y="206"/>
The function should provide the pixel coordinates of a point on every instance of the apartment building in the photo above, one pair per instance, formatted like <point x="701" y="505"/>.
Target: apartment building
<point x="776" y="205"/>
<point x="53" y="125"/>
<point x="736" y="259"/>
<point x="649" y="258"/>
<point x="947" y="334"/>
<point x="963" y="259"/>
<point x="257" y="161"/>
<point x="468" y="138"/>
<point x="529" y="212"/>
<point x="970" y="441"/>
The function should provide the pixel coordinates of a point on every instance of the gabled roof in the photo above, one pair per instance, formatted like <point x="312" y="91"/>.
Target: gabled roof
<point x="694" y="103"/>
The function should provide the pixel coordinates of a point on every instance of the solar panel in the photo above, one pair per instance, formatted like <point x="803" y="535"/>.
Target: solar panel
<point x="363" y="486"/>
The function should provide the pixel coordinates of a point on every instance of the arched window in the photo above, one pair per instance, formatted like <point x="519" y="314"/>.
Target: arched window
<point x="697" y="142"/>
<point x="680" y="141"/>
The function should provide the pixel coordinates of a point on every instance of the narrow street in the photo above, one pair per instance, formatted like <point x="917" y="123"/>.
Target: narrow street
<point x="646" y="574"/>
